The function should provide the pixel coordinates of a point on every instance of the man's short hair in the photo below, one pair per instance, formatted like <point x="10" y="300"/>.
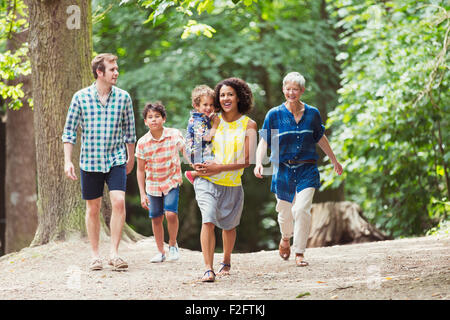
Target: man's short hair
<point x="99" y="62"/>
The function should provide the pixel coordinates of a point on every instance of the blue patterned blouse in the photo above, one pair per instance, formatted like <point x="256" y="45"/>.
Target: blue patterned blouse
<point x="289" y="140"/>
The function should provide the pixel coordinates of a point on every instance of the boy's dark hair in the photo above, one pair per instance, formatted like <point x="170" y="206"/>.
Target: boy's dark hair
<point x="154" y="106"/>
<point x="243" y="92"/>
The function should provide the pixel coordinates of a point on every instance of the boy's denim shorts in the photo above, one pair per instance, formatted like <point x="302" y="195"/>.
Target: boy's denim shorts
<point x="168" y="202"/>
<point x="93" y="183"/>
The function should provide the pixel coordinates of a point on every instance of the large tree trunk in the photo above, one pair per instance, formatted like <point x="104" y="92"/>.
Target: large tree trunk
<point x="2" y="184"/>
<point x="61" y="53"/>
<point x="20" y="180"/>
<point x="340" y="223"/>
<point x="60" y="59"/>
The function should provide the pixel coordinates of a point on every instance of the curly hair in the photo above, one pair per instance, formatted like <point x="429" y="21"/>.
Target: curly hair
<point x="199" y="92"/>
<point x="154" y="106"/>
<point x="243" y="92"/>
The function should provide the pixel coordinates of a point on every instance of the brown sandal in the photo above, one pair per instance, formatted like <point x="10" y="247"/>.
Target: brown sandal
<point x="299" y="260"/>
<point x="285" y="252"/>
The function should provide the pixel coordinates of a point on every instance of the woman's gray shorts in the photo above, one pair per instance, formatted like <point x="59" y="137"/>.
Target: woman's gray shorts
<point x="220" y="205"/>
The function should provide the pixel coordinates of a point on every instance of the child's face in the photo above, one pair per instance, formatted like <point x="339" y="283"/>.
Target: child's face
<point x="205" y="106"/>
<point x="154" y="120"/>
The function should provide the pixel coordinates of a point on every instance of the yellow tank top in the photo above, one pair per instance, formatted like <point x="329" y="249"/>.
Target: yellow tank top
<point x="228" y="146"/>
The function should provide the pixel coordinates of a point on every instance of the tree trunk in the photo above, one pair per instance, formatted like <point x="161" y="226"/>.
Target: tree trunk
<point x="2" y="183"/>
<point x="20" y="180"/>
<point x="60" y="52"/>
<point x="340" y="223"/>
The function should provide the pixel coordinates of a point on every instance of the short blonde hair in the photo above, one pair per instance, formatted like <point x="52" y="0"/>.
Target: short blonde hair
<point x="295" y="77"/>
<point x="99" y="62"/>
<point x="199" y="92"/>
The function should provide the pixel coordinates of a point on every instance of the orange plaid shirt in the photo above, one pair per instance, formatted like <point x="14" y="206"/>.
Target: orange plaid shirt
<point x="162" y="161"/>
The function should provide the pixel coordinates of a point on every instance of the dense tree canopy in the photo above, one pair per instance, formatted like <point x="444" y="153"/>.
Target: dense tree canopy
<point x="392" y="120"/>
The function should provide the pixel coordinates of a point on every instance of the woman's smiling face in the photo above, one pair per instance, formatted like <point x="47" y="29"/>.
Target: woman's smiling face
<point x="228" y="99"/>
<point x="292" y="92"/>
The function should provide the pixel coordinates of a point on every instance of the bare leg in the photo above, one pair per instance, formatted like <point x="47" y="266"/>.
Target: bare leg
<point x="158" y="232"/>
<point x="229" y="239"/>
<point x="208" y="242"/>
<point x="172" y="227"/>
<point x="92" y="220"/>
<point x="117" y="219"/>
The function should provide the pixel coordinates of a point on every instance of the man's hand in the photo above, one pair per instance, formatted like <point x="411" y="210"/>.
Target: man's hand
<point x="130" y="165"/>
<point x="69" y="170"/>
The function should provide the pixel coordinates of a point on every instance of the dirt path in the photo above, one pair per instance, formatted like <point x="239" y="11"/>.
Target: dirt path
<point x="415" y="268"/>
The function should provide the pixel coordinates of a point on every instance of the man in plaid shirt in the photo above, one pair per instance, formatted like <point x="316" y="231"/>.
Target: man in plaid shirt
<point x="105" y="115"/>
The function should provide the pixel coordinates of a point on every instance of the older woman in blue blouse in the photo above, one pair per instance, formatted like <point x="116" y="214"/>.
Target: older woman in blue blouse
<point x="292" y="130"/>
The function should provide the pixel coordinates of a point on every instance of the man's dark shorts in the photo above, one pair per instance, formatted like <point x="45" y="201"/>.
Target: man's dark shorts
<point x="93" y="183"/>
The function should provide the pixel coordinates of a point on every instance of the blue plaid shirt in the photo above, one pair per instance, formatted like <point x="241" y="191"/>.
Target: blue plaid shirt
<point x="104" y="129"/>
<point x="289" y="140"/>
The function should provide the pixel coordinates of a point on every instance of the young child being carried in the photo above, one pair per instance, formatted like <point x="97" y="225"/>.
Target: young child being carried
<point x="159" y="176"/>
<point x="201" y="128"/>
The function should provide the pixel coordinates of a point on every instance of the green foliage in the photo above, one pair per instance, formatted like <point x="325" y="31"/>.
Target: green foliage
<point x="12" y="64"/>
<point x="391" y="125"/>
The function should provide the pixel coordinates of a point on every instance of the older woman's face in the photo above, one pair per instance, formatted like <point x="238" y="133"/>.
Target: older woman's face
<point x="292" y="91"/>
<point x="228" y="99"/>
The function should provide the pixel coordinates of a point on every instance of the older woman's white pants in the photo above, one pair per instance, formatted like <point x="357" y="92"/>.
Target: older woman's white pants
<point x="294" y="218"/>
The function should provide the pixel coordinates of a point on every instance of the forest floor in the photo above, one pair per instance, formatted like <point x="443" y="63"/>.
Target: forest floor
<point x="405" y="269"/>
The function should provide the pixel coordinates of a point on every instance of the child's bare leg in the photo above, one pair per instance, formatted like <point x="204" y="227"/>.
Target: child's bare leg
<point x="158" y="232"/>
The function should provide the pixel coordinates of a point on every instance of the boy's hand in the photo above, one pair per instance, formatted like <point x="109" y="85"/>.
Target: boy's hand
<point x="145" y="202"/>
<point x="69" y="170"/>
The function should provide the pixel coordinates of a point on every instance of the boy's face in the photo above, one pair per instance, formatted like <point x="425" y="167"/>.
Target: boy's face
<point x="205" y="106"/>
<point x="154" y="120"/>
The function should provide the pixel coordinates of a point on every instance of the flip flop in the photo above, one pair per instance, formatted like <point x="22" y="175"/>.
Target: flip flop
<point x="209" y="278"/>
<point x="300" y="262"/>
<point x="224" y="272"/>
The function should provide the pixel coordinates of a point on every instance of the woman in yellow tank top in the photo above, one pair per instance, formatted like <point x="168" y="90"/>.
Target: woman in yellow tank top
<point x="218" y="190"/>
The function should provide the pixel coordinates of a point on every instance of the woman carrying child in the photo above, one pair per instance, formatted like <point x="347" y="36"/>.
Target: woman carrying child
<point x="218" y="188"/>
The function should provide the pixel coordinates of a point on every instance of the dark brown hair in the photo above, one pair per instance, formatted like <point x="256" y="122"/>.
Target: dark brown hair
<point x="154" y="106"/>
<point x="243" y="92"/>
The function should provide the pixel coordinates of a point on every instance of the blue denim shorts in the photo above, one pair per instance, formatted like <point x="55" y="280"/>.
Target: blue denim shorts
<point x="93" y="183"/>
<point x="168" y="202"/>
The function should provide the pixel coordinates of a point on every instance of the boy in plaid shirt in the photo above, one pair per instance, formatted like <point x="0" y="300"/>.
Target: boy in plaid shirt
<point x="105" y="115"/>
<point x="159" y="177"/>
